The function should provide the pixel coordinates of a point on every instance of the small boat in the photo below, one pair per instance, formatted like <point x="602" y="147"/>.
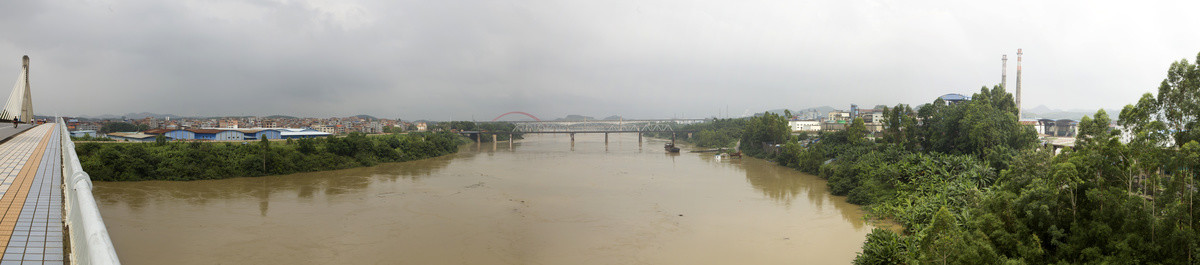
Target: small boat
<point x="670" y="147"/>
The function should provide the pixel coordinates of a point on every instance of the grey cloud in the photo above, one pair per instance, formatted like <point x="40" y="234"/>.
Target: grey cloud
<point x="463" y="59"/>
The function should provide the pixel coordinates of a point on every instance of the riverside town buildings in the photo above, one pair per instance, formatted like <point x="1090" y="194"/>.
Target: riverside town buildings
<point x="239" y="128"/>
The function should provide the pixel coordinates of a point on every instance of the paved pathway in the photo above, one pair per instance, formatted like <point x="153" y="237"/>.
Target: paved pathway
<point x="31" y="227"/>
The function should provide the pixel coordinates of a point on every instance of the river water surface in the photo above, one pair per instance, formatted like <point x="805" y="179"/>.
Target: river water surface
<point x="542" y="201"/>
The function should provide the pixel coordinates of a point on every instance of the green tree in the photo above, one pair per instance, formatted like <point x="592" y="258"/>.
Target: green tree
<point x="306" y="146"/>
<point x="119" y="127"/>
<point x="881" y="248"/>
<point x="899" y="126"/>
<point x="1178" y="102"/>
<point x="856" y="133"/>
<point x="764" y="130"/>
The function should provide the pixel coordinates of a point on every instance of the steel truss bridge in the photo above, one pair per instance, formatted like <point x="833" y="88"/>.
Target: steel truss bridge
<point x="603" y="126"/>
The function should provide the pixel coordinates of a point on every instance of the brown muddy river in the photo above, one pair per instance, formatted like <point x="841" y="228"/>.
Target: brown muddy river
<point x="543" y="201"/>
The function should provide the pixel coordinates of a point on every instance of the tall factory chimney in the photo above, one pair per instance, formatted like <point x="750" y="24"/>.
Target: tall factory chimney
<point x="1018" y="84"/>
<point x="1004" y="71"/>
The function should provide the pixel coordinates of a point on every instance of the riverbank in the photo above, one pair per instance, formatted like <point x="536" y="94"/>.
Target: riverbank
<point x="199" y="160"/>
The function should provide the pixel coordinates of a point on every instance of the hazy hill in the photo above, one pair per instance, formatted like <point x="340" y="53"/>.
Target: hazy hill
<point x="1043" y="112"/>
<point x="574" y="117"/>
<point x="132" y="116"/>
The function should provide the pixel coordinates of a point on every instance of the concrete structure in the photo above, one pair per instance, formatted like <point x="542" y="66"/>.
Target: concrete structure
<point x="373" y="127"/>
<point x="838" y="115"/>
<point x="88" y="126"/>
<point x="131" y="136"/>
<point x="804" y="125"/>
<point x="20" y="101"/>
<point x="1018" y="95"/>
<point x="1058" y="128"/>
<point x="1004" y="71"/>
<point x="833" y="125"/>
<point x="228" y="124"/>
<point x="326" y="129"/>
<point x="871" y="115"/>
<point x="229" y="134"/>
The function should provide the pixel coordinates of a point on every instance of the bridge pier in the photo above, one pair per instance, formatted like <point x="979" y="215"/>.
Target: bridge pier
<point x="639" y="138"/>
<point x="572" y="138"/>
<point x="494" y="137"/>
<point x="478" y="138"/>
<point x="510" y="141"/>
<point x="605" y="138"/>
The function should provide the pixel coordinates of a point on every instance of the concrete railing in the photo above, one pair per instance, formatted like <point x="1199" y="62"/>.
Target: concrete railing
<point x="89" y="242"/>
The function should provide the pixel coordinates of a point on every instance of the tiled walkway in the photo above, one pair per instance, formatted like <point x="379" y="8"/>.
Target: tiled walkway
<point x="31" y="227"/>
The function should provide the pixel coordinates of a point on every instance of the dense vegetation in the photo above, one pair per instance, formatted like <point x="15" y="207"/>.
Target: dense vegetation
<point x="502" y="129"/>
<point x="712" y="134"/>
<point x="89" y="138"/>
<point x="204" y="160"/>
<point x="972" y="186"/>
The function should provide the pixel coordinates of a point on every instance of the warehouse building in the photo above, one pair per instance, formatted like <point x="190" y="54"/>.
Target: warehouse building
<point x="232" y="134"/>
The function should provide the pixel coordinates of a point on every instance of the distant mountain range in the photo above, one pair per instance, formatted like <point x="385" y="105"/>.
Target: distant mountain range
<point x="131" y="116"/>
<point x="1043" y="112"/>
<point x="574" y="117"/>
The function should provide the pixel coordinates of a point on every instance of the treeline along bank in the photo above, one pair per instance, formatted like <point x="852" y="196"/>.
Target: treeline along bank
<point x="971" y="185"/>
<point x="164" y="160"/>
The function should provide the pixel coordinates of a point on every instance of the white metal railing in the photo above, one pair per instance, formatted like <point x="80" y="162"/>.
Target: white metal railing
<point x="89" y="241"/>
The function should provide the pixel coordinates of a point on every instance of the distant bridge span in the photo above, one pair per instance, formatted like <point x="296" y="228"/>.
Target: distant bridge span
<point x="517" y="112"/>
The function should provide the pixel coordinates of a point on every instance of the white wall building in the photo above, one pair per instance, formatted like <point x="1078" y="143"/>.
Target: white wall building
<point x="805" y="125"/>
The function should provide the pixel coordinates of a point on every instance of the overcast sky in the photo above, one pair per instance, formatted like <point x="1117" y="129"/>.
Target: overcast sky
<point x="463" y="60"/>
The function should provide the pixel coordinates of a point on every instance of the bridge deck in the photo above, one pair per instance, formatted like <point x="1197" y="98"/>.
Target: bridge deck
<point x="597" y="131"/>
<point x="31" y="227"/>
